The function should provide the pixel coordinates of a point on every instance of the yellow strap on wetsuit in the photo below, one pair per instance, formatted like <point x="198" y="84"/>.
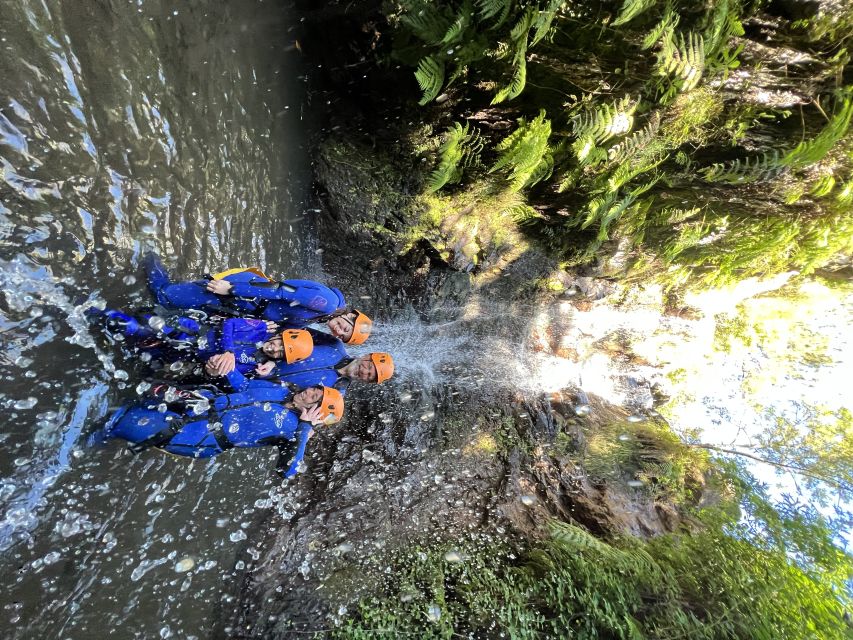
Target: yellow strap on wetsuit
<point x="230" y="272"/>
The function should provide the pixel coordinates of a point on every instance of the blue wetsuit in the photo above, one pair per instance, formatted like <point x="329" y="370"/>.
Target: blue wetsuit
<point x="184" y="339"/>
<point x="253" y="415"/>
<point x="291" y="303"/>
<point x="320" y="367"/>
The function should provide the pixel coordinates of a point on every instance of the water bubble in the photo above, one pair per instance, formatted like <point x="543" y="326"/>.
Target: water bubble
<point x="184" y="564"/>
<point x="624" y="437"/>
<point x="171" y="394"/>
<point x="176" y="366"/>
<point x="145" y="356"/>
<point x="267" y="406"/>
<point x="453" y="556"/>
<point x="636" y="418"/>
<point x="527" y="500"/>
<point x="120" y="374"/>
<point x="142" y="387"/>
<point x="344" y="547"/>
<point x="237" y="536"/>
<point x="162" y="407"/>
<point x="428" y="415"/>
<point x="27" y="403"/>
<point x="156" y="323"/>
<point x="129" y="280"/>
<point x="582" y="409"/>
<point x="36" y="312"/>
<point x="233" y="428"/>
<point x="405" y="397"/>
<point x="433" y="613"/>
<point x="635" y="483"/>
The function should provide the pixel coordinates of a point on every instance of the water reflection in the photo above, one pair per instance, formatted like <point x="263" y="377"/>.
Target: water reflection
<point x="126" y="126"/>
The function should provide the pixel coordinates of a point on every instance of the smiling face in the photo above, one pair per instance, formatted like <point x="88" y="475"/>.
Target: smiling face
<point x="273" y="348"/>
<point x="341" y="326"/>
<point x="307" y="398"/>
<point x="366" y="371"/>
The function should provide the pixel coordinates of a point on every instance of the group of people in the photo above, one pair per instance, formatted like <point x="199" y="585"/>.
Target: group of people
<point x="244" y="367"/>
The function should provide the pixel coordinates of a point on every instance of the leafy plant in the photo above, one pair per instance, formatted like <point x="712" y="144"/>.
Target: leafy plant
<point x="460" y="149"/>
<point x="525" y="153"/>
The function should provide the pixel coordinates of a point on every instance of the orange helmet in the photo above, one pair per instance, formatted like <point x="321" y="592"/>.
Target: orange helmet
<point x="331" y="406"/>
<point x="360" y="328"/>
<point x="297" y="344"/>
<point x="384" y="364"/>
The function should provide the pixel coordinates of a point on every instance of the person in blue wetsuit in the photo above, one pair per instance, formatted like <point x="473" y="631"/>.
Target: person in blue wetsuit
<point x="204" y="423"/>
<point x="248" y="292"/>
<point x="243" y="343"/>
<point x="329" y="364"/>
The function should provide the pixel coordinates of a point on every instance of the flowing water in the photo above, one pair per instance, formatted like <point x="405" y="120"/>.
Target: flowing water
<point x="129" y="126"/>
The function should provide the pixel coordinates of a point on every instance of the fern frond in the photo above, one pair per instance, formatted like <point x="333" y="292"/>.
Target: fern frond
<point x="606" y="121"/>
<point x="684" y="59"/>
<point x="430" y="77"/>
<point x="823" y="186"/>
<point x="544" y="19"/>
<point x="665" y="27"/>
<point x="526" y="153"/>
<point x="460" y="23"/>
<point x="745" y="170"/>
<point x="845" y="195"/>
<point x="491" y="8"/>
<point x="427" y="22"/>
<point x="519" y="63"/>
<point x="459" y="149"/>
<point x="638" y="142"/>
<point x="631" y="9"/>
<point x="813" y="151"/>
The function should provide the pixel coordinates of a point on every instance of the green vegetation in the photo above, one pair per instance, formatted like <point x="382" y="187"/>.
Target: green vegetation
<point x="573" y="585"/>
<point x="611" y="142"/>
<point x="647" y="452"/>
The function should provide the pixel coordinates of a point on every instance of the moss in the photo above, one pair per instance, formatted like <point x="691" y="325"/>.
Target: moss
<point x="687" y="117"/>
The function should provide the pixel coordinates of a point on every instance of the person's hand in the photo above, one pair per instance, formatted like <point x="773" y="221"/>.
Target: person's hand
<point x="272" y="327"/>
<point x="210" y="368"/>
<point x="223" y="363"/>
<point x="265" y="368"/>
<point x="219" y="287"/>
<point x="311" y="415"/>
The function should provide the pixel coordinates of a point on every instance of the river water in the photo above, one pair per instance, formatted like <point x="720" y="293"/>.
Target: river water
<point x="129" y="126"/>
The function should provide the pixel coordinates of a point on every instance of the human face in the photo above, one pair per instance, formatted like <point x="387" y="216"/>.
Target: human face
<point x="273" y="348"/>
<point x="366" y="371"/>
<point x="308" y="397"/>
<point x="341" y="326"/>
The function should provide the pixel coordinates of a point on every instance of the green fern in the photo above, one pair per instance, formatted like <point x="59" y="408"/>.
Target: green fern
<point x="460" y="149"/>
<point x="814" y="150"/>
<point x="426" y="21"/>
<point x="459" y="25"/>
<point x="845" y="194"/>
<point x="544" y="19"/>
<point x="683" y="59"/>
<point x="763" y="167"/>
<point x="518" y="36"/>
<point x="606" y="121"/>
<point x="663" y="29"/>
<point x="771" y="164"/>
<point x="639" y="142"/>
<point x="525" y="153"/>
<point x="430" y="77"/>
<point x="491" y="8"/>
<point x="631" y="9"/>
<point x="823" y="186"/>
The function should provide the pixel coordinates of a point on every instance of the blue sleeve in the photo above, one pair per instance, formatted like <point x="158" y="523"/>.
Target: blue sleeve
<point x="302" y="440"/>
<point x="302" y="293"/>
<point x="228" y="327"/>
<point x="238" y="382"/>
